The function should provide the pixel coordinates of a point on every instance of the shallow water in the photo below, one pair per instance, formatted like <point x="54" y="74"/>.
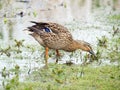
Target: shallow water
<point x="34" y="60"/>
<point x="87" y="29"/>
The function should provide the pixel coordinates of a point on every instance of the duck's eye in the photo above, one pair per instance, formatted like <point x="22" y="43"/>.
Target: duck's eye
<point x="47" y="29"/>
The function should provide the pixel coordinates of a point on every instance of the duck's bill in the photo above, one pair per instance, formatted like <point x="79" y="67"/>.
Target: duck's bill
<point x="91" y="52"/>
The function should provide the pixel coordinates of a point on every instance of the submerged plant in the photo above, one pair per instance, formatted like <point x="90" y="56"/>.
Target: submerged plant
<point x="5" y="20"/>
<point x="114" y="52"/>
<point x="69" y="63"/>
<point x="6" y="51"/>
<point x="14" y="82"/>
<point x="115" y="31"/>
<point x="18" y="44"/>
<point x="35" y="14"/>
<point x="9" y="84"/>
<point x="5" y="73"/>
<point x="102" y="42"/>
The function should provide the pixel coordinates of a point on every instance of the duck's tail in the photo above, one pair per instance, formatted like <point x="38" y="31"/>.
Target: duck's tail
<point x="39" y="23"/>
<point x="34" y="30"/>
<point x="37" y="28"/>
<point x="34" y="22"/>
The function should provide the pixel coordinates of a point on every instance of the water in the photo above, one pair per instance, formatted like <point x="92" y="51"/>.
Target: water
<point x="83" y="22"/>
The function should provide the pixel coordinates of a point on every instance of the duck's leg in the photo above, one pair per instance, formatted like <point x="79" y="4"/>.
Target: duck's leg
<point x="46" y="56"/>
<point x="57" y="56"/>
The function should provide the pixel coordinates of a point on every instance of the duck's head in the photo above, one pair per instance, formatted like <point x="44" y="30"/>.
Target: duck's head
<point x="85" y="46"/>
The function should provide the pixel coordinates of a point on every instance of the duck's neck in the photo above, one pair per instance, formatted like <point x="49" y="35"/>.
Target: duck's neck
<point x="78" y="44"/>
<point x="73" y="46"/>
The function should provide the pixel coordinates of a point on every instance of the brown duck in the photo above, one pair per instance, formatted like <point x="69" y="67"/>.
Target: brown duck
<point x="55" y="36"/>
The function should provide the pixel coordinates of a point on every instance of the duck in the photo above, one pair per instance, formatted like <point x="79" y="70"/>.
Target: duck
<point x="57" y="37"/>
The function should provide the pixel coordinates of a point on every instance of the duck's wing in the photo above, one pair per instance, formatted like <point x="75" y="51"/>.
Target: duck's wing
<point x="53" y="35"/>
<point x="44" y="29"/>
<point x="54" y="27"/>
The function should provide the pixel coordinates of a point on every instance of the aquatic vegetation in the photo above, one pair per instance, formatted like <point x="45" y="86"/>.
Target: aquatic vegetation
<point x="98" y="55"/>
<point x="1" y="35"/>
<point x="5" y="20"/>
<point x="114" y="50"/>
<point x="109" y="47"/>
<point x="12" y="48"/>
<point x="69" y="63"/>
<point x="116" y="16"/>
<point x="35" y="14"/>
<point x="115" y="31"/>
<point x="14" y="82"/>
<point x="7" y="73"/>
<point x="0" y="5"/>
<point x="18" y="44"/>
<point x="74" y="77"/>
<point x="96" y="3"/>
<point x="6" y="51"/>
<point x="70" y="75"/>
<point x="102" y="42"/>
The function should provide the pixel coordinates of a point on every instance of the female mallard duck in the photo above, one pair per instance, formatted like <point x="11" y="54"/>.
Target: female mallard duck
<point x="57" y="37"/>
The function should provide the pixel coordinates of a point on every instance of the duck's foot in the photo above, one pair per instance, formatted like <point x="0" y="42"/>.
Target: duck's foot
<point x="46" y="57"/>
<point x="57" y="56"/>
<point x="57" y="59"/>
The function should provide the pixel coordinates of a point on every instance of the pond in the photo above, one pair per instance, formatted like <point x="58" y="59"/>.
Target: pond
<point x="89" y="20"/>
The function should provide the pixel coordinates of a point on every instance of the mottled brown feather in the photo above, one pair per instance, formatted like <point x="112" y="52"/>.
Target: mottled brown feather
<point x="59" y="38"/>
